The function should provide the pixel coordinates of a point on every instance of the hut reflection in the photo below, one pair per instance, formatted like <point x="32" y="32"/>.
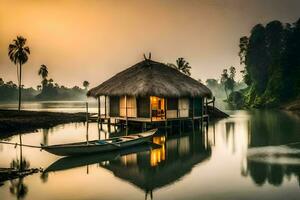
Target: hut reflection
<point x="157" y="168"/>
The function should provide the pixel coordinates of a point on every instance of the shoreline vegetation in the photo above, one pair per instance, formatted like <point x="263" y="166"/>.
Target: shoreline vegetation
<point x="49" y="92"/>
<point x="13" y="122"/>
<point x="269" y="56"/>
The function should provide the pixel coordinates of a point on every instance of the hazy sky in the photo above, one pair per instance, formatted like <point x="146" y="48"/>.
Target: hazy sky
<point x="93" y="40"/>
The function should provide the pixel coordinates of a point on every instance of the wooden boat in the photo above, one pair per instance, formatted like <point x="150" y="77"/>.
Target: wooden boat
<point x="71" y="162"/>
<point x="97" y="146"/>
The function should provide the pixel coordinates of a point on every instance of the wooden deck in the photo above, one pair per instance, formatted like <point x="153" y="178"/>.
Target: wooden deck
<point x="103" y="118"/>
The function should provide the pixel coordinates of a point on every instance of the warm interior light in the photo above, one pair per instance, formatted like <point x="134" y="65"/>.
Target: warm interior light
<point x="158" y="155"/>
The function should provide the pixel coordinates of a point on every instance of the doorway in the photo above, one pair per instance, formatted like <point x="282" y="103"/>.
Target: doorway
<point x="157" y="107"/>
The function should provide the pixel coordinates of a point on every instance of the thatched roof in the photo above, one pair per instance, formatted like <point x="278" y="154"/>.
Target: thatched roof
<point x="150" y="78"/>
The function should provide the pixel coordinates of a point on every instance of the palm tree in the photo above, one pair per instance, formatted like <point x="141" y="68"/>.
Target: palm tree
<point x="85" y="84"/>
<point x="18" y="54"/>
<point x="224" y="81"/>
<point x="39" y="87"/>
<point x="182" y="65"/>
<point x="51" y="82"/>
<point x="43" y="72"/>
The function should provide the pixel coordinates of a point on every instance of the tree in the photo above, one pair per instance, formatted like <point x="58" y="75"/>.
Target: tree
<point x="212" y="83"/>
<point x="230" y="80"/>
<point x="43" y="72"/>
<point x="275" y="47"/>
<point x="1" y="82"/>
<point x="224" y="78"/>
<point x="18" y="54"/>
<point x="291" y="62"/>
<point x="85" y="84"/>
<point x="256" y="60"/>
<point x="227" y="80"/>
<point x="50" y="81"/>
<point x="182" y="65"/>
<point x="39" y="87"/>
<point x="244" y="41"/>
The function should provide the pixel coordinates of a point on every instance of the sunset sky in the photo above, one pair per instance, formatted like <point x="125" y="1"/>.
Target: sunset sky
<point x="93" y="40"/>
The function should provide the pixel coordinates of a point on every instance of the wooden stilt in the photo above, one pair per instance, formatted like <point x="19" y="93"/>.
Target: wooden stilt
<point x="87" y="122"/>
<point x="108" y="125"/>
<point x="99" y="112"/>
<point x="105" y="113"/>
<point x="99" y="132"/>
<point x="193" y="116"/>
<point x="166" y="108"/>
<point x="126" y="114"/>
<point x="180" y="126"/>
<point x="202" y="110"/>
<point x="150" y="113"/>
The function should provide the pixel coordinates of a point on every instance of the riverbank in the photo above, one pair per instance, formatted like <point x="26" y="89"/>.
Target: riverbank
<point x="12" y="121"/>
<point x="293" y="106"/>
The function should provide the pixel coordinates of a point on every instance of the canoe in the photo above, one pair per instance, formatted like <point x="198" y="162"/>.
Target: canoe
<point x="98" y="146"/>
<point x="71" y="162"/>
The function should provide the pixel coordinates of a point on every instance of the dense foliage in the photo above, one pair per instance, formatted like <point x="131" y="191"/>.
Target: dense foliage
<point x="271" y="55"/>
<point x="49" y="91"/>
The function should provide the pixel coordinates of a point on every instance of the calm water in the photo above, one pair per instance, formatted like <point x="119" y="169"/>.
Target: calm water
<point x="213" y="164"/>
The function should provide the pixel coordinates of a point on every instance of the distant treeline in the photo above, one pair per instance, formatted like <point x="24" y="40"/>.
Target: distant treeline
<point x="271" y="56"/>
<point x="50" y="91"/>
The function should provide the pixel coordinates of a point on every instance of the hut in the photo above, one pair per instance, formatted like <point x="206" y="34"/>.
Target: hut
<point x="150" y="92"/>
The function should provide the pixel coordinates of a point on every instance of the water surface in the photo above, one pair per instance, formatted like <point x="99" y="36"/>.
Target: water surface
<point x="208" y="164"/>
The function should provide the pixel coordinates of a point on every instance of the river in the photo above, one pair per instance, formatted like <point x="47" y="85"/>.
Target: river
<point x="211" y="164"/>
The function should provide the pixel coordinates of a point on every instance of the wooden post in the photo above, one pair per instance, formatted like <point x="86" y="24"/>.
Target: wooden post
<point x="166" y="108"/>
<point x="202" y="102"/>
<point x="99" y="111"/>
<point x="87" y="122"/>
<point x="193" y="117"/>
<point x="99" y="114"/>
<point x="87" y="111"/>
<point x="214" y="103"/>
<point x="150" y="113"/>
<point x="126" y="116"/>
<point x="178" y="108"/>
<point x="108" y="125"/>
<point x="205" y="106"/>
<point x="105" y="106"/>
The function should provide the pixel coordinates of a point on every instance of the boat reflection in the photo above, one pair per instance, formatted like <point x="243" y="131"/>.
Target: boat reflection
<point x="66" y="163"/>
